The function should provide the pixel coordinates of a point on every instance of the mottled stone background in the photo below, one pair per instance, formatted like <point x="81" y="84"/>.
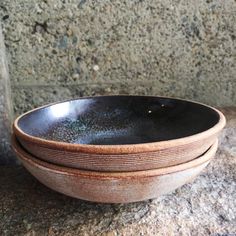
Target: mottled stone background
<point x="62" y="49"/>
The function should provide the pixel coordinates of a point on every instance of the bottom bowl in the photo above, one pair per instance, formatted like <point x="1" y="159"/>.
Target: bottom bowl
<point x="113" y="187"/>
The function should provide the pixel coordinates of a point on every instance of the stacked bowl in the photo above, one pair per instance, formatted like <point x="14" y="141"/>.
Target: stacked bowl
<point x="117" y="149"/>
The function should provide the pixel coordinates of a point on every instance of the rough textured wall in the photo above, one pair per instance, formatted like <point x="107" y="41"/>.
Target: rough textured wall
<point x="62" y="49"/>
<point x="5" y="107"/>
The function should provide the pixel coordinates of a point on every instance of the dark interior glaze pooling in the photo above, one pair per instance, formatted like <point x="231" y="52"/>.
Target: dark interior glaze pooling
<point x="118" y="120"/>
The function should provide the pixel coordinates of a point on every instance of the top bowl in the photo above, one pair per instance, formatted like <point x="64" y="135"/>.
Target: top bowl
<point x="119" y="133"/>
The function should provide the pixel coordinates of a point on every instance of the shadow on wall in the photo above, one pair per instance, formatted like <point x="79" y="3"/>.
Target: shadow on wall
<point x="6" y="155"/>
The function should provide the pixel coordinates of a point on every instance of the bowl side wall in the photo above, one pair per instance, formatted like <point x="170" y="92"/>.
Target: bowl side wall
<point x="113" y="191"/>
<point x="121" y="162"/>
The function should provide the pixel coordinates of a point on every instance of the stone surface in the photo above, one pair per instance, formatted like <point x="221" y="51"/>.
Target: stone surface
<point x="174" y="48"/>
<point x="205" y="207"/>
<point x="6" y="155"/>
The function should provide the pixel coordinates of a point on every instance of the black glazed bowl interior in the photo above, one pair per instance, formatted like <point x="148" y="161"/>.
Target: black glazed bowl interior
<point x="117" y="120"/>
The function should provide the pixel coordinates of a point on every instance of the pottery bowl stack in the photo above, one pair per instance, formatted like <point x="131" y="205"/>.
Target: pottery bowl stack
<point x="117" y="149"/>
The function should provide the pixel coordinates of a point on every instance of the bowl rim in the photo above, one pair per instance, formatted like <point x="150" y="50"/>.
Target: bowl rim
<point x="120" y="148"/>
<point x="31" y="160"/>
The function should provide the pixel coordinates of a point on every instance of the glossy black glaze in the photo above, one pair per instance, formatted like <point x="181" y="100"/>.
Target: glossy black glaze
<point x="118" y="120"/>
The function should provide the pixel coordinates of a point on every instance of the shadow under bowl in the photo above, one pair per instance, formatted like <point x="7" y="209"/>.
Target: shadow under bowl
<point x="119" y="133"/>
<point x="113" y="187"/>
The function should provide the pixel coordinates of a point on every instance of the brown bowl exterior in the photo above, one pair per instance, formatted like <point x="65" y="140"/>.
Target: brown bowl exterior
<point x="113" y="187"/>
<point x="168" y="156"/>
<point x="133" y="157"/>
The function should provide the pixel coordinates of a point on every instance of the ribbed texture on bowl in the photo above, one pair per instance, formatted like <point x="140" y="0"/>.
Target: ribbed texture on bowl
<point x="113" y="187"/>
<point x="121" y="162"/>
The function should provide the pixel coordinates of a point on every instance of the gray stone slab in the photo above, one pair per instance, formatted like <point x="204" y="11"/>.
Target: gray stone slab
<point x="182" y="48"/>
<point x="6" y="156"/>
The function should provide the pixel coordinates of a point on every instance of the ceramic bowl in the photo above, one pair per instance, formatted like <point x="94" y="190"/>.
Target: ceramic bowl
<point x="113" y="187"/>
<point x="119" y="133"/>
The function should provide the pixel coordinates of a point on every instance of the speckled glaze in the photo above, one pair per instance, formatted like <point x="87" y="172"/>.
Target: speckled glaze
<point x="113" y="187"/>
<point x="119" y="133"/>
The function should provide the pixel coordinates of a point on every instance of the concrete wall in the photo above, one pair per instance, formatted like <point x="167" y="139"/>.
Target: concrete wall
<point x="62" y="49"/>
<point x="6" y="156"/>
